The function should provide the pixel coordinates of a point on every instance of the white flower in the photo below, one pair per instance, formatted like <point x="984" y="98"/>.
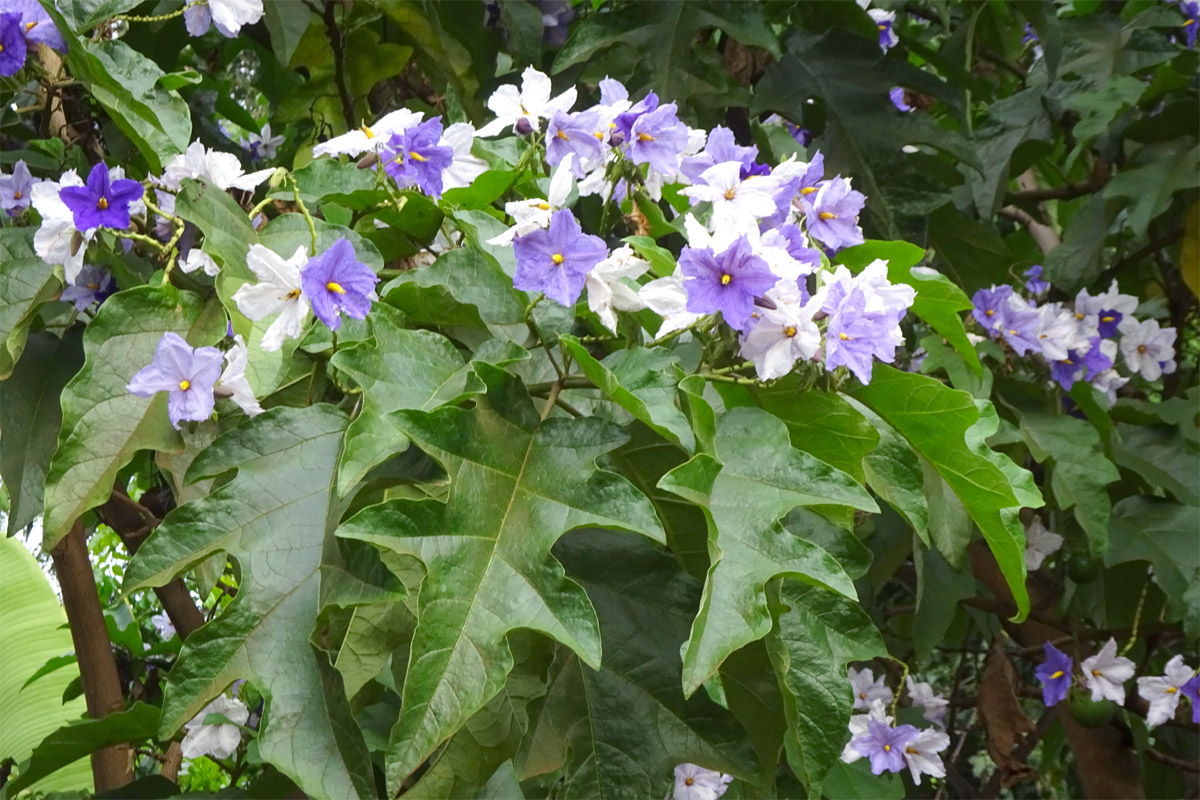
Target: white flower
<point x="667" y="298"/>
<point x="1147" y="349"/>
<point x="1108" y="382"/>
<point x="529" y="215"/>
<point x="1039" y="544"/>
<point x="162" y="623"/>
<point x="782" y="336"/>
<point x="277" y="291"/>
<point x="881" y="294"/>
<point x="1163" y="692"/>
<point x="230" y="15"/>
<point x="607" y="290"/>
<point x="884" y="22"/>
<point x="736" y="204"/>
<point x="369" y="137"/>
<point x="697" y="783"/>
<point x="921" y="754"/>
<point x="198" y="259"/>
<point x="264" y="144"/>
<point x="54" y="239"/>
<point x="465" y="168"/>
<point x="867" y="689"/>
<point x="234" y="377"/>
<point x="859" y="727"/>
<point x="530" y="103"/>
<point x="222" y="170"/>
<point x="1087" y="305"/>
<point x="922" y="694"/>
<point x="1105" y="672"/>
<point x="1058" y="331"/>
<point x="218" y="741"/>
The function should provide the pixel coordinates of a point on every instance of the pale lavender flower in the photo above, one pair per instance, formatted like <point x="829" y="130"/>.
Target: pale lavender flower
<point x="659" y="139"/>
<point x="556" y="261"/>
<point x="728" y="282"/>
<point x="336" y="282"/>
<point x="989" y="305"/>
<point x="1163" y="692"/>
<point x="884" y="20"/>
<point x="1035" y="284"/>
<point x="896" y="95"/>
<point x="833" y="214"/>
<point x="36" y="24"/>
<point x="573" y="133"/>
<point x="694" y="782"/>
<point x="92" y="285"/>
<point x="921" y="755"/>
<point x="867" y="688"/>
<point x="1105" y="673"/>
<point x="885" y="745"/>
<point x="1149" y="350"/>
<point x="416" y="157"/>
<point x="188" y="375"/>
<point x="16" y="189"/>
<point x="219" y="740"/>
<point x="719" y="148"/>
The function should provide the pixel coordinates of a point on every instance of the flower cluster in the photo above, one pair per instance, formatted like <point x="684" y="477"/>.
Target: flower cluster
<point x="1080" y="341"/>
<point x="890" y="747"/>
<point x="24" y="24"/>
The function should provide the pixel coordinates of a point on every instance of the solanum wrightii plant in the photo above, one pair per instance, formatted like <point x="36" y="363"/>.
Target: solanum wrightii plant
<point x="586" y="453"/>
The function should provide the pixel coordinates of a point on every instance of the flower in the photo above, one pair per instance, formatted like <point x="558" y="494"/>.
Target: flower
<point x="1149" y="350"/>
<point x="529" y="215"/>
<point x="219" y="740"/>
<point x="16" y="189"/>
<point x="162" y="623"/>
<point x="278" y="290"/>
<point x="1059" y="332"/>
<point x="883" y="22"/>
<point x="921" y="694"/>
<point x="697" y="783"/>
<point x="373" y="137"/>
<point x="464" y="168"/>
<point x="606" y="287"/>
<point x="719" y="147"/>
<point x="833" y="214"/>
<point x="524" y="108"/>
<point x="91" y="285"/>
<point x="659" y="139"/>
<point x="989" y="304"/>
<point x="1039" y="543"/>
<point x="12" y="44"/>
<point x="55" y="241"/>
<point x="263" y="145"/>
<point x="198" y="259"/>
<point x="885" y="745"/>
<point x="921" y="755"/>
<point x="782" y="336"/>
<point x="335" y="282"/>
<point x="867" y="688"/>
<point x="1035" y="284"/>
<point x="228" y="15"/>
<point x="556" y="261"/>
<point x="896" y="95"/>
<point x="416" y="157"/>
<point x="36" y="24"/>
<point x="727" y="282"/>
<point x="864" y="319"/>
<point x="1105" y="672"/>
<point x="1018" y="325"/>
<point x="222" y="170"/>
<point x="1055" y="675"/>
<point x="1191" y="9"/>
<point x="1191" y="690"/>
<point x="1163" y="692"/>
<point x="737" y="204"/>
<point x="573" y="133"/>
<point x="102" y="202"/>
<point x="858" y="727"/>
<point x="187" y="373"/>
<point x="667" y="298"/>
<point x="233" y="379"/>
<point x="1108" y="382"/>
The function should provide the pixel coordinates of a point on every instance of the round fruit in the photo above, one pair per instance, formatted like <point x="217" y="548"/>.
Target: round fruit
<point x="1082" y="568"/>
<point x="1089" y="714"/>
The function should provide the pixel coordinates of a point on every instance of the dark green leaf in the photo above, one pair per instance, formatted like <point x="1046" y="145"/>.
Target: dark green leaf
<point x="1163" y="533"/>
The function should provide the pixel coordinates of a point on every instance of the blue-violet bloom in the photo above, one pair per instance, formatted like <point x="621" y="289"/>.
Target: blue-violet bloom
<point x="336" y="282"/>
<point x="573" y="133"/>
<point x="12" y="44"/>
<point x="990" y="305"/>
<point x="728" y="282"/>
<point x="1191" y="690"/>
<point x="15" y="189"/>
<point x="833" y="214"/>
<point x="1108" y="321"/>
<point x="884" y="20"/>
<point x="897" y="98"/>
<point x="885" y="745"/>
<point x="36" y="24"/>
<point x="1035" y="284"/>
<point x="1055" y="675"/>
<point x="1191" y="9"/>
<point x="415" y="156"/>
<point x="855" y="336"/>
<point x="186" y="373"/>
<point x="658" y="138"/>
<point x="102" y="202"/>
<point x="92" y="285"/>
<point x="556" y="261"/>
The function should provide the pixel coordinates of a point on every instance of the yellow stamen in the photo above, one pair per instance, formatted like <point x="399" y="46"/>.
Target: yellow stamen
<point x="645" y="137"/>
<point x="882" y="27"/>
<point x="1095" y="673"/>
<point x="557" y="258"/>
<point x="543" y="206"/>
<point x="730" y="194"/>
<point x="1" y="48"/>
<point x="17" y="195"/>
<point x="863" y="696"/>
<point x="599" y="136"/>
<point x="1068" y="362"/>
<point x="1079" y="316"/>
<point x="1012" y="332"/>
<point x="1171" y="690"/>
<point x="612" y="125"/>
<point x="726" y="279"/>
<point x="910" y="750"/>
<point x="292" y="295"/>
<point x="30" y="25"/>
<point x="94" y="286"/>
<point x="827" y="215"/>
<point x="887" y="748"/>
<point x="789" y="332"/>
<point x="807" y="190"/>
<point x="845" y="338"/>
<point x="562" y="135"/>
<point x="1141" y="348"/>
<point x="102" y="204"/>
<point x="689" y="781"/>
<point x="185" y="385"/>
<point x="1189" y="22"/>
<point x="417" y="156"/>
<point x="336" y="288"/>
<point x="989" y="313"/>
<point x="1056" y="675"/>
<point x="366" y="130"/>
<point x="1107" y="319"/>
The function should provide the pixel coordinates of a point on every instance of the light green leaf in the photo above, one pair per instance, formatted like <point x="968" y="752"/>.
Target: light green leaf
<point x="487" y="550"/>
<point x="26" y="282"/>
<point x="286" y="23"/>
<point x="755" y="479"/>
<point x="376" y="631"/>
<point x="103" y="424"/>
<point x="817" y="634"/>
<point x="273" y="517"/>
<point x="895" y="473"/>
<point x="948" y="430"/>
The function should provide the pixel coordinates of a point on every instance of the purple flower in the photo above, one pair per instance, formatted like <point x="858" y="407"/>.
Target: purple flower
<point x="883" y="23"/>
<point x="990" y="305"/>
<point x="12" y="44"/>
<point x="855" y="336"/>
<point x="102" y="202"/>
<point x="556" y="261"/>
<point x="720" y="148"/>
<point x="1055" y="675"/>
<point x="1191" y="9"/>
<point x="728" y="282"/>
<point x="1035" y="284"/>
<point x="573" y="133"/>
<point x="833" y="215"/>
<point x="624" y="121"/>
<point x="15" y="188"/>
<point x="1191" y="690"/>
<point x="796" y="243"/>
<point x="810" y="180"/>
<point x="612" y="91"/>
<point x="335" y="282"/>
<point x="187" y="374"/>
<point x="1030" y="35"/>
<point x="92" y="285"/>
<point x="658" y="138"/>
<point x="36" y="24"/>
<point x="1107" y="322"/>
<point x="884" y="745"/>
<point x="415" y="157"/>
<point x="1066" y="371"/>
<point x="897" y="97"/>
<point x="1019" y="325"/>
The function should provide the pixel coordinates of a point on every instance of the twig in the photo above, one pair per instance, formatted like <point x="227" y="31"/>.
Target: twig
<point x="1171" y="761"/>
<point x="555" y="388"/>
<point x="339" y="67"/>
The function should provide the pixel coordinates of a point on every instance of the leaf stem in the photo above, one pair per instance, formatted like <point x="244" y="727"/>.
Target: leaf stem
<point x="312" y="228"/>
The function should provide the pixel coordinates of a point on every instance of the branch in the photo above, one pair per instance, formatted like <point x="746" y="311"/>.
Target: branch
<point x="1071" y="190"/>
<point x="1172" y="761"/>
<point x="112" y="767"/>
<point x="339" y="69"/>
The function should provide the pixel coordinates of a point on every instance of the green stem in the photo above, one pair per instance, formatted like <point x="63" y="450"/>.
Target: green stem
<point x="266" y="201"/>
<point x="161" y="17"/>
<point x="675" y="333"/>
<point x="900" y="687"/>
<point x="969" y="54"/>
<point x="312" y="228"/>
<point x="1137" y="617"/>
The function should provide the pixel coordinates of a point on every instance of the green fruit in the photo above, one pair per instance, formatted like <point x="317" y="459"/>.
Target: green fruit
<point x="1082" y="568"/>
<point x="1089" y="714"/>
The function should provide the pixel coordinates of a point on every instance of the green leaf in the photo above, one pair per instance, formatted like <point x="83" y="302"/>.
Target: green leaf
<point x="288" y="231"/>
<point x="659" y="258"/>
<point x="948" y="430"/>
<point x="286" y="24"/>
<point x="82" y="15"/>
<point x="641" y="381"/>
<point x="619" y="731"/>
<point x="1163" y="533"/>
<point x="1153" y="176"/>
<point x="26" y="282"/>
<point x="77" y="739"/>
<point x="1161" y="456"/>
<point x="401" y="369"/>
<point x="940" y="587"/>
<point x="817" y="634"/>
<point x="968" y="250"/>
<point x="227" y="231"/>
<point x="1010" y="122"/>
<point x="103" y="424"/>
<point x="274" y="517"/>
<point x="1081" y="470"/>
<point x="755" y="479"/>
<point x="855" y="782"/>
<point x="487" y="550"/>
<point x="35" y="633"/>
<point x="376" y="631"/>
<point x="753" y="696"/>
<point x="30" y="417"/>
